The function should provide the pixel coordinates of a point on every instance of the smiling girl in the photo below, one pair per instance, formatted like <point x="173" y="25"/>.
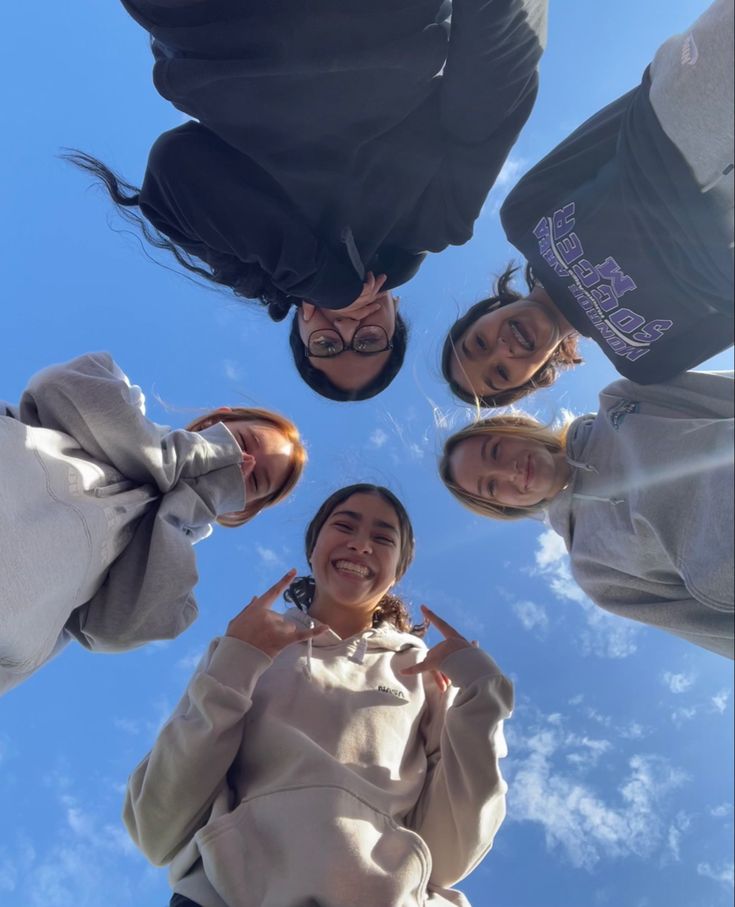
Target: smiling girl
<point x="101" y="508"/>
<point x="641" y="493"/>
<point x="318" y="756"/>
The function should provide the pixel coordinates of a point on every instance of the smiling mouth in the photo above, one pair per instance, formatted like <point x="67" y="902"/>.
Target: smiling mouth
<point x="522" y="336"/>
<point x="350" y="568"/>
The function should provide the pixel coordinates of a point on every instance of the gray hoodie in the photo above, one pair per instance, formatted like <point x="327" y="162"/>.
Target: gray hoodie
<point x="100" y="508"/>
<point x="324" y="776"/>
<point x="648" y="515"/>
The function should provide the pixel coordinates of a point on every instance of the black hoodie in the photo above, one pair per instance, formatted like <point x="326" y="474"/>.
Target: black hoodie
<point x="334" y="137"/>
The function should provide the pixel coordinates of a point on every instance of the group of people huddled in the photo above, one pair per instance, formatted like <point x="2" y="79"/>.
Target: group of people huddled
<point x="327" y="153"/>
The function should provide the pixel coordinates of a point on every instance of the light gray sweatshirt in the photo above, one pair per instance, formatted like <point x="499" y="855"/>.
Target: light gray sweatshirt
<point x="324" y="776"/>
<point x="100" y="508"/>
<point x="648" y="515"/>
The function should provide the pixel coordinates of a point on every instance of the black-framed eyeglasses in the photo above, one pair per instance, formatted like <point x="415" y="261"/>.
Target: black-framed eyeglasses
<point x="368" y="340"/>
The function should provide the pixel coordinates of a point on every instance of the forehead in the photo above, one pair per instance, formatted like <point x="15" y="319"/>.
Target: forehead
<point x="369" y="508"/>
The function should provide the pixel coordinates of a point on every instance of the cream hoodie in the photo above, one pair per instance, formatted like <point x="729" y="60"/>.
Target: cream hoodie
<point x="324" y="776"/>
<point x="100" y="509"/>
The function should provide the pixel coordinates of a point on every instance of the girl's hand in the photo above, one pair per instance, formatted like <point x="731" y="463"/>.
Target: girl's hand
<point x="262" y="628"/>
<point x="452" y="642"/>
<point x="367" y="302"/>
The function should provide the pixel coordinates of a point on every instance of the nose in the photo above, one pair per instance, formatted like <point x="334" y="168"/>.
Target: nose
<point x="360" y="543"/>
<point x="346" y="328"/>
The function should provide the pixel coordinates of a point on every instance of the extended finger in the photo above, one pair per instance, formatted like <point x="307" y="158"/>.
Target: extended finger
<point x="447" y="630"/>
<point x="267" y="598"/>
<point x="442" y="681"/>
<point x="418" y="668"/>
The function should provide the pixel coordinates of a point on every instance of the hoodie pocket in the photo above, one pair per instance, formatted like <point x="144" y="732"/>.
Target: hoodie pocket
<point x="313" y="845"/>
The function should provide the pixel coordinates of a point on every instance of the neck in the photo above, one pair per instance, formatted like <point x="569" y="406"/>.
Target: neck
<point x="539" y="294"/>
<point x="345" y="620"/>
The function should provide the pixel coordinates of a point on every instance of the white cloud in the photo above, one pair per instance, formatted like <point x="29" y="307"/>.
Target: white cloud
<point x="86" y="860"/>
<point x="189" y="661"/>
<point x="725" y="875"/>
<point x="588" y="826"/>
<point x="506" y="179"/>
<point x="685" y="713"/>
<point x="681" y="824"/>
<point x="604" y="635"/>
<point x="127" y="725"/>
<point x="720" y="700"/>
<point x="531" y="615"/>
<point x="232" y="370"/>
<point x="378" y="438"/>
<point x="677" y="683"/>
<point x="724" y="809"/>
<point x="269" y="557"/>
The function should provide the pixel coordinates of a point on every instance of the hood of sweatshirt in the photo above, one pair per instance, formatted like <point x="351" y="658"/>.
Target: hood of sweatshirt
<point x="383" y="638"/>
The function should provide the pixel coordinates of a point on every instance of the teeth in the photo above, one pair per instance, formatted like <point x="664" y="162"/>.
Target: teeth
<point x="519" y="337"/>
<point x="349" y="567"/>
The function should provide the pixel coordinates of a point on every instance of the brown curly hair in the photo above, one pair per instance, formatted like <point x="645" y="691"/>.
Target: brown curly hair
<point x="565" y="355"/>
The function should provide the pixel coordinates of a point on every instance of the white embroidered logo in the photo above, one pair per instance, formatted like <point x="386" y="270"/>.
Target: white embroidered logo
<point x="689" y="51"/>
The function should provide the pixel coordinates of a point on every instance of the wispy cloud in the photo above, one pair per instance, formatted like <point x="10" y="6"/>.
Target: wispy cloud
<point x="531" y="616"/>
<point x="233" y="371"/>
<point x="720" y="700"/>
<point x="725" y="874"/>
<point x="604" y="635"/>
<point x="509" y="174"/>
<point x="677" y="683"/>
<point x="378" y="438"/>
<point x="269" y="557"/>
<point x="586" y="825"/>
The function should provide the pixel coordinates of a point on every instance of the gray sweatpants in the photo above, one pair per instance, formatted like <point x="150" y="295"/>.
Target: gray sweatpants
<point x="692" y="96"/>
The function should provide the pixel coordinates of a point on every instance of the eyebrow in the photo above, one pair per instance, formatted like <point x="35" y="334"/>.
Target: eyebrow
<point x="358" y="518"/>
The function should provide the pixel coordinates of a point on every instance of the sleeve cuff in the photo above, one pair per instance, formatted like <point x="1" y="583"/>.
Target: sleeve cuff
<point x="237" y="664"/>
<point x="468" y="665"/>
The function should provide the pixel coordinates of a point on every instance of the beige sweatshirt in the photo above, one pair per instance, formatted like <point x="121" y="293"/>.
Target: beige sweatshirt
<point x="324" y="776"/>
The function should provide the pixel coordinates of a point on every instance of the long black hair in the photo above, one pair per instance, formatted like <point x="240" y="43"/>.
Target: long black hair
<point x="248" y="281"/>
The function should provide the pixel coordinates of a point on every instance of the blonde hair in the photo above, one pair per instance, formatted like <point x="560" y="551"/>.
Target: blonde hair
<point x="289" y="431"/>
<point x="518" y="425"/>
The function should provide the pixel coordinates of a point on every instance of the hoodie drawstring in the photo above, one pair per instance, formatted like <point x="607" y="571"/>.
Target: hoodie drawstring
<point x="307" y="666"/>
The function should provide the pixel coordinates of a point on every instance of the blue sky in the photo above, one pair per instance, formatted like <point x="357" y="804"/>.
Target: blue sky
<point x="621" y="750"/>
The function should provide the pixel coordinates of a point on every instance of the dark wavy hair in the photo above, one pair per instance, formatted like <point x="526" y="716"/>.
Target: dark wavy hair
<point x="565" y="355"/>
<point x="320" y="383"/>
<point x="248" y="281"/>
<point x="391" y="608"/>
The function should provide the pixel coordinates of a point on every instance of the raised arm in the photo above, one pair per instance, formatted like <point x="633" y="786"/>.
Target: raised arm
<point x="171" y="792"/>
<point x="492" y="67"/>
<point x="214" y="201"/>
<point x="92" y="400"/>
<point x="463" y="801"/>
<point x="148" y="593"/>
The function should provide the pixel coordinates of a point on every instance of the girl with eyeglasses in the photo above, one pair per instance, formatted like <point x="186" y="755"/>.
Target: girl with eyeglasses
<point x="331" y="146"/>
<point x="101" y="507"/>
<point x="325" y="756"/>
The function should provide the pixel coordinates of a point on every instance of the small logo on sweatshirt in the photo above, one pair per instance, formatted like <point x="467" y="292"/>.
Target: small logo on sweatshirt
<point x="399" y="694"/>
<point x="689" y="51"/>
<point x="617" y="413"/>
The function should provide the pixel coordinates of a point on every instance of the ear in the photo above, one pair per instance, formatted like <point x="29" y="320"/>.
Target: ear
<point x="396" y="300"/>
<point x="307" y="310"/>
